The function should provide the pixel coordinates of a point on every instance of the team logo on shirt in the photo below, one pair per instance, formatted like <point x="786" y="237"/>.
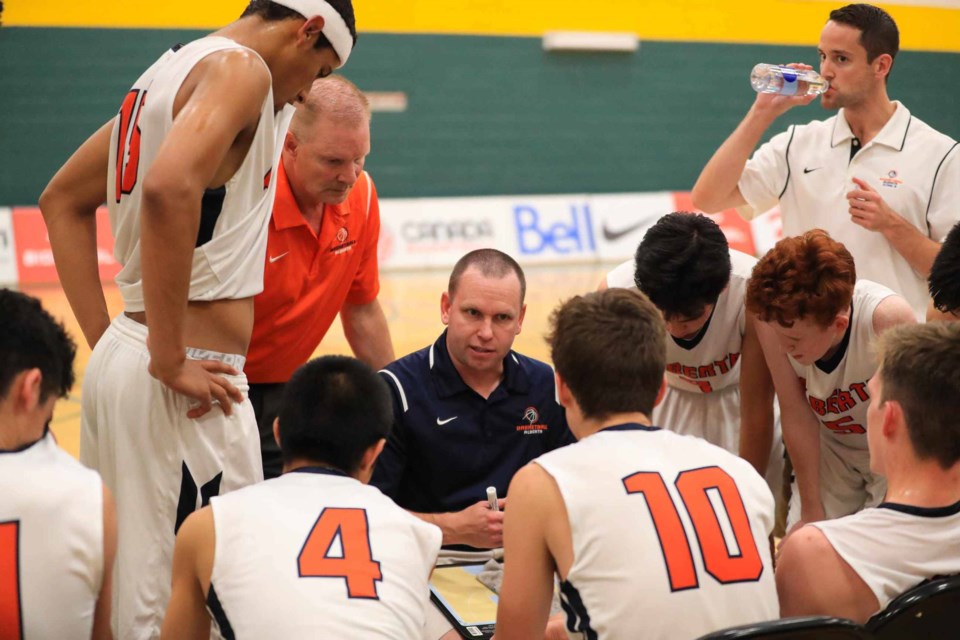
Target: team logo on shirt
<point x="891" y="180"/>
<point x="343" y="245"/>
<point x="532" y="418"/>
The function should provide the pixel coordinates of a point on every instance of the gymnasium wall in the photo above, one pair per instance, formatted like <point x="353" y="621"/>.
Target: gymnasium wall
<point x="486" y="114"/>
<point x="489" y="113"/>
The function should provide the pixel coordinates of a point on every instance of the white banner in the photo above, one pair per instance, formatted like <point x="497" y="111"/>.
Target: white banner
<point x="8" y="253"/>
<point x="435" y="232"/>
<point x="621" y="220"/>
<point x="541" y="229"/>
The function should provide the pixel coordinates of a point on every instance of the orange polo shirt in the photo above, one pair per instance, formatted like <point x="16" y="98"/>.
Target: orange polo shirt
<point x="308" y="277"/>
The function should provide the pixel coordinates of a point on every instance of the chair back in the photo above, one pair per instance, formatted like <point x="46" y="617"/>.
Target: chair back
<point x="801" y="628"/>
<point x="929" y="610"/>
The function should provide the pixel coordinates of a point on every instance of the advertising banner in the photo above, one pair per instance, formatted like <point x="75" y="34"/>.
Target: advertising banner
<point x="435" y="232"/>
<point x="35" y="257"/>
<point x="8" y="256"/>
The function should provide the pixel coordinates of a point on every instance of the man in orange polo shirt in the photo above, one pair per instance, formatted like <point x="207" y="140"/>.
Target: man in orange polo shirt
<point x="321" y="251"/>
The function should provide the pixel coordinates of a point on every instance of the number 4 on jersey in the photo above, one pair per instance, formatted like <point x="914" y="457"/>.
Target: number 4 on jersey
<point x="355" y="564"/>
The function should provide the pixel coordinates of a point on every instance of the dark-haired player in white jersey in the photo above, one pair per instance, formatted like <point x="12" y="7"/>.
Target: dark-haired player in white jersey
<point x="186" y="167"/>
<point x="854" y="566"/>
<point x="652" y="534"/>
<point x="811" y="306"/>
<point x="718" y="385"/>
<point x="315" y="553"/>
<point x="944" y="280"/>
<point x="58" y="530"/>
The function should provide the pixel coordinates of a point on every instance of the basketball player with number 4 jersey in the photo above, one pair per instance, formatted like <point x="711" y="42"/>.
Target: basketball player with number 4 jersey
<point x="315" y="553"/>
<point x="687" y="269"/>
<point x="652" y="534"/>
<point x="811" y="306"/>
<point x="58" y="530"/>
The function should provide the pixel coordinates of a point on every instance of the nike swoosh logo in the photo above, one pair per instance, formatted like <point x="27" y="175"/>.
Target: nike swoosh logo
<point x="805" y="170"/>
<point x="275" y="258"/>
<point x="440" y="422"/>
<point x="614" y="235"/>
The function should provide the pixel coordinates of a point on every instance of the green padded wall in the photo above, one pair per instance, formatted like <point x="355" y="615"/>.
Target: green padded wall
<point x="487" y="115"/>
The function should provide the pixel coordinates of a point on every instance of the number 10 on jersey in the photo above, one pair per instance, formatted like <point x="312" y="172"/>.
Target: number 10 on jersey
<point x="743" y="565"/>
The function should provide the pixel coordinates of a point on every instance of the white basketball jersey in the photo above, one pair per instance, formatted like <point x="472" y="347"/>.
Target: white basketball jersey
<point x="712" y="362"/>
<point x="316" y="555"/>
<point x="670" y="536"/>
<point x="229" y="256"/>
<point x="893" y="547"/>
<point x="51" y="544"/>
<point x="839" y="398"/>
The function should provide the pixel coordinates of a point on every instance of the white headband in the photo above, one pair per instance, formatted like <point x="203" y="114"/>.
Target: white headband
<point x="334" y="27"/>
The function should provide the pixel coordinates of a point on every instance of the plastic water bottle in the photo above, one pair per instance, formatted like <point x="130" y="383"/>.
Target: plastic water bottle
<point x="771" y="78"/>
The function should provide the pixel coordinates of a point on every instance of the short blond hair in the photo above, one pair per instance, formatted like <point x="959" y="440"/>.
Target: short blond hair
<point x="332" y="97"/>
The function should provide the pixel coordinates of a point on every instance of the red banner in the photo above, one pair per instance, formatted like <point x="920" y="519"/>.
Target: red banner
<point x="35" y="257"/>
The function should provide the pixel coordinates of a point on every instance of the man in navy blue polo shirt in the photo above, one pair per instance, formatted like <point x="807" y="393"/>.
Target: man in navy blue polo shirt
<point x="469" y="411"/>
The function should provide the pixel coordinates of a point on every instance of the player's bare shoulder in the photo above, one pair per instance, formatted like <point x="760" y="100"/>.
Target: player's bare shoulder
<point x="235" y="79"/>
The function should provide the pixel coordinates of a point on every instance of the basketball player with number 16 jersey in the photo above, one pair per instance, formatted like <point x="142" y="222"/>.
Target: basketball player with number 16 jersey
<point x="186" y="169"/>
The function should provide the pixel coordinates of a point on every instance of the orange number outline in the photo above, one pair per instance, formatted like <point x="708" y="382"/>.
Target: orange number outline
<point x="692" y="484"/>
<point x="11" y="613"/>
<point x="356" y="564"/>
<point x="126" y="177"/>
<point x="843" y="425"/>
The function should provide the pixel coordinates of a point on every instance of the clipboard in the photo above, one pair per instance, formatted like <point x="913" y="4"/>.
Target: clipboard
<point x="469" y="605"/>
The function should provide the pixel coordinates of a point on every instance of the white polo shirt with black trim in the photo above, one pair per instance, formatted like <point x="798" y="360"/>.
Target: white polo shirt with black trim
<point x="809" y="168"/>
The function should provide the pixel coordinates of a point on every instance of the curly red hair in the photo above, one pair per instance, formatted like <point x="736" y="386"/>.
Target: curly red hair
<point x="810" y="276"/>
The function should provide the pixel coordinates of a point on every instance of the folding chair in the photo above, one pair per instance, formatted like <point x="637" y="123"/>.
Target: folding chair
<point x="929" y="610"/>
<point x="801" y="628"/>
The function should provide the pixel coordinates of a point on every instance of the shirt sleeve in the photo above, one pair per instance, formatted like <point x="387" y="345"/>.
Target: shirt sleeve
<point x="621" y="276"/>
<point x="765" y="176"/>
<point x="944" y="212"/>
<point x="366" y="284"/>
<point x="392" y="462"/>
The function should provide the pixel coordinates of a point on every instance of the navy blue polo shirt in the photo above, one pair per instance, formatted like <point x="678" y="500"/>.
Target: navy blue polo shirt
<point x="449" y="444"/>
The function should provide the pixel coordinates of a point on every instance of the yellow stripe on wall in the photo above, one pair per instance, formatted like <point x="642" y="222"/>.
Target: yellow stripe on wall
<point x="795" y="22"/>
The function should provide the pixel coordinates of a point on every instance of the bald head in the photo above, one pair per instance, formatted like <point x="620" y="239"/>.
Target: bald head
<point x="333" y="98"/>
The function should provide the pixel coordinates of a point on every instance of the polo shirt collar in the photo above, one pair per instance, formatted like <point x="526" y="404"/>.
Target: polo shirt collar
<point x="449" y="383"/>
<point x="286" y="211"/>
<point x="893" y="134"/>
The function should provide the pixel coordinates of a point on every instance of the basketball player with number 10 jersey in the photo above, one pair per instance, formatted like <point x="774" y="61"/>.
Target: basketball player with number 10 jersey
<point x="651" y="533"/>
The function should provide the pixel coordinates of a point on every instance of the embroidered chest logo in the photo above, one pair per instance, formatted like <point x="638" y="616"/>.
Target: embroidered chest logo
<point x="343" y="245"/>
<point x="840" y="402"/>
<point x="891" y="180"/>
<point x="532" y="417"/>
